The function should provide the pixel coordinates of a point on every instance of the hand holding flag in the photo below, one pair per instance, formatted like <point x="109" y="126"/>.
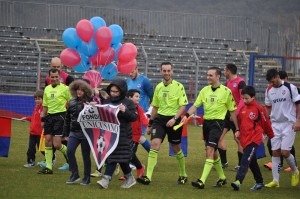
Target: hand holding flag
<point x="182" y="122"/>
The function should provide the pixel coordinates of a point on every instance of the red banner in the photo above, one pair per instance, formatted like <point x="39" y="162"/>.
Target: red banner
<point x="101" y="127"/>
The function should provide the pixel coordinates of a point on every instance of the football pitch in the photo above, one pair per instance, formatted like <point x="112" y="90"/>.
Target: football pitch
<point x="19" y="182"/>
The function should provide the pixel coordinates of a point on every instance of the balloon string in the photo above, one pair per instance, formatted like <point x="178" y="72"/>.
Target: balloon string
<point x="108" y="56"/>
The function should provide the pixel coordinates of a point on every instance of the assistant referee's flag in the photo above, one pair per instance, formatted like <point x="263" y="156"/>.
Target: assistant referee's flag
<point x="5" y="133"/>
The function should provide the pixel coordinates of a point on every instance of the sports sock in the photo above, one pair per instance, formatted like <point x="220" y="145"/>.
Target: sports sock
<point x="146" y="144"/>
<point x="207" y="167"/>
<point x="48" y="157"/>
<point x="63" y="149"/>
<point x="181" y="162"/>
<point x="291" y="162"/>
<point x="275" y="168"/>
<point x="281" y="161"/>
<point x="240" y="155"/>
<point x="223" y="155"/>
<point x="294" y="154"/>
<point x="219" y="169"/>
<point x="152" y="160"/>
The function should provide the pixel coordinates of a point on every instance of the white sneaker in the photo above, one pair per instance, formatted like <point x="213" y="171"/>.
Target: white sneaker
<point x="29" y="165"/>
<point x="104" y="182"/>
<point x="129" y="182"/>
<point x="132" y="166"/>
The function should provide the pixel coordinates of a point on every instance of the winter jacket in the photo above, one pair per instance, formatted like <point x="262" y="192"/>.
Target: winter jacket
<point x="253" y="122"/>
<point x="74" y="108"/>
<point x="35" y="119"/>
<point x="123" y="151"/>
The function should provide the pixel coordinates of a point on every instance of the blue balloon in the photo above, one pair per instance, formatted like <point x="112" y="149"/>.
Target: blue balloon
<point x="70" y="38"/>
<point x="116" y="48"/>
<point x="117" y="33"/>
<point x="109" y="72"/>
<point x="97" y="22"/>
<point x="89" y="49"/>
<point x="84" y="64"/>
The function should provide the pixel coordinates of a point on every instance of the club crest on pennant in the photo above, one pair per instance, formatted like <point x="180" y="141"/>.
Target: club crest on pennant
<point x="101" y="127"/>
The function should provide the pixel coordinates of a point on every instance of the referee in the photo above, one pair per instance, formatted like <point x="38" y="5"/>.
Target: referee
<point x="56" y="96"/>
<point x="217" y="100"/>
<point x="168" y="103"/>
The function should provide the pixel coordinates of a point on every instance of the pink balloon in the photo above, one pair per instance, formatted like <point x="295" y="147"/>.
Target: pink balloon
<point x="103" y="37"/>
<point x="70" y="57"/>
<point x="106" y="56"/>
<point x="94" y="77"/>
<point x="127" y="52"/>
<point x="128" y="67"/>
<point x="85" y="30"/>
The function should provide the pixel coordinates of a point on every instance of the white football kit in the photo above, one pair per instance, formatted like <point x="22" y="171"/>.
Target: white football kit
<point x="283" y="114"/>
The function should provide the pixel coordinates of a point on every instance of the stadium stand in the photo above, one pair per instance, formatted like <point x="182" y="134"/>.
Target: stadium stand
<point x="20" y="57"/>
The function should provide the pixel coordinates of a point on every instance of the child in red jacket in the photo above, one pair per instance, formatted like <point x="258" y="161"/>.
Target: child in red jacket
<point x="35" y="129"/>
<point x="134" y="95"/>
<point x="253" y="122"/>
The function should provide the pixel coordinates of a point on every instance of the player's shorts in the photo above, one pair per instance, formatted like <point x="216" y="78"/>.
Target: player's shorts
<point x="284" y="136"/>
<point x="212" y="131"/>
<point x="228" y="124"/>
<point x="160" y="130"/>
<point x="54" y="124"/>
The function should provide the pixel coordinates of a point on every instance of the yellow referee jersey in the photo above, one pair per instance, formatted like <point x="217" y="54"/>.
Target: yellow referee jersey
<point x="56" y="98"/>
<point x="169" y="98"/>
<point x="215" y="103"/>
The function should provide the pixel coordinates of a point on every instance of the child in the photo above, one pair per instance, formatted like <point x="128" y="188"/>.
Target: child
<point x="253" y="122"/>
<point x="81" y="92"/>
<point x="122" y="154"/>
<point x="134" y="95"/>
<point x="35" y="129"/>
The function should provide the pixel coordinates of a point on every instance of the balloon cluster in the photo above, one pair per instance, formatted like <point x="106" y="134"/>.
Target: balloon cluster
<point x="93" y="43"/>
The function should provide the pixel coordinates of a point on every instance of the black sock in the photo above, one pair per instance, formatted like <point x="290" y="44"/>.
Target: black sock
<point x="240" y="155"/>
<point x="223" y="156"/>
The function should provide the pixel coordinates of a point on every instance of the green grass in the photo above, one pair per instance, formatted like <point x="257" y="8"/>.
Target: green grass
<point x="19" y="182"/>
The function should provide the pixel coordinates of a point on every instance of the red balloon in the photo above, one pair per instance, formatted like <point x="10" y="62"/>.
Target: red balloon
<point x="127" y="67"/>
<point x="106" y="56"/>
<point x="85" y="30"/>
<point x="103" y="37"/>
<point x="94" y="59"/>
<point x="127" y="52"/>
<point x="94" y="77"/>
<point x="70" y="57"/>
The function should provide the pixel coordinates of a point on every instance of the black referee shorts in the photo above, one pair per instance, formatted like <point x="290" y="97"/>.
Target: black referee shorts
<point x="212" y="131"/>
<point x="228" y="123"/>
<point x="160" y="130"/>
<point x="54" y="124"/>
